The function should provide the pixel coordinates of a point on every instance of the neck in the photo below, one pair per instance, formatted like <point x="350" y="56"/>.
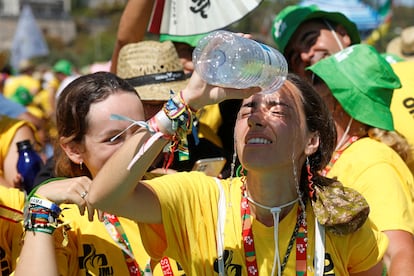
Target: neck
<point x="264" y="195"/>
<point x="347" y="130"/>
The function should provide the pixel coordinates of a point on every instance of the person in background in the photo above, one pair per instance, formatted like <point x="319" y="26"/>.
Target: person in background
<point x="402" y="105"/>
<point x="65" y="74"/>
<point x="370" y="156"/>
<point x="11" y="132"/>
<point x="132" y="26"/>
<point x="306" y="34"/>
<point x="7" y="106"/>
<point x="23" y="86"/>
<point x="87" y="137"/>
<point x="283" y="140"/>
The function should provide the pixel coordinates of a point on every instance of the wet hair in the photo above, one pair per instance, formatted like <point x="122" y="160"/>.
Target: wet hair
<point x="318" y="119"/>
<point x="72" y="114"/>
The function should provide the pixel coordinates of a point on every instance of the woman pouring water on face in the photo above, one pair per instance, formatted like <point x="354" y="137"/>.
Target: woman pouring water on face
<point x="261" y="222"/>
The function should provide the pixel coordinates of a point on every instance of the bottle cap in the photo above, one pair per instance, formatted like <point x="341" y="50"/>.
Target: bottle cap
<point x="25" y="144"/>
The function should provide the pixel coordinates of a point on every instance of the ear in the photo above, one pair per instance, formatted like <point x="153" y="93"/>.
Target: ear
<point x="313" y="143"/>
<point x="73" y="150"/>
<point x="344" y="36"/>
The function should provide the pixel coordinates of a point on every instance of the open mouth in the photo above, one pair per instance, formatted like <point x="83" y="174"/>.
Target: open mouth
<point x="261" y="141"/>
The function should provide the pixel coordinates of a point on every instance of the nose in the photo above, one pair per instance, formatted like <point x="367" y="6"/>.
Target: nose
<point x="306" y="57"/>
<point x="255" y="120"/>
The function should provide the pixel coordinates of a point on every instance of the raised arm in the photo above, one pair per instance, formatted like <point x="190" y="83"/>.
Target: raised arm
<point x="132" y="26"/>
<point x="116" y="189"/>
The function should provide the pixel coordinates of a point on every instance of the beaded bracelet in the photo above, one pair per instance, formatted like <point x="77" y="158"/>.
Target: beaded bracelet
<point x="41" y="215"/>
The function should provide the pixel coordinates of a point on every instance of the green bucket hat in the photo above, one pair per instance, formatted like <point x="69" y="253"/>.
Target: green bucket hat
<point x="63" y="66"/>
<point x="192" y="40"/>
<point x="363" y="83"/>
<point x="288" y="20"/>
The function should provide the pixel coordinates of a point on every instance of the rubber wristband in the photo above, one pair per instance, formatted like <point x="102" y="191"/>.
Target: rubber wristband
<point x="46" y="204"/>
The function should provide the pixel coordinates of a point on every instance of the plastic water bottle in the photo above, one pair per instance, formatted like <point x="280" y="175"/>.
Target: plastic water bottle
<point x="28" y="164"/>
<point x="225" y="59"/>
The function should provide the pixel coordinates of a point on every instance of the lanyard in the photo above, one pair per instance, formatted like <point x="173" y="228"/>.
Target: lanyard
<point x="248" y="241"/>
<point x="337" y="154"/>
<point x="116" y="231"/>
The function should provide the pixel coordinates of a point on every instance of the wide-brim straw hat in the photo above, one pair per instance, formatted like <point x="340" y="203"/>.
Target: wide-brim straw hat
<point x="153" y="68"/>
<point x="403" y="45"/>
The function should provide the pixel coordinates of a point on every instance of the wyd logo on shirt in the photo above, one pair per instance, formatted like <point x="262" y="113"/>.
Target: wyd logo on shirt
<point x="95" y="263"/>
<point x="236" y="269"/>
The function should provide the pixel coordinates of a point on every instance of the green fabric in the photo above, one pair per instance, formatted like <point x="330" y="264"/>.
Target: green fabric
<point x="63" y="66"/>
<point x="289" y="19"/>
<point x="22" y="96"/>
<point x="392" y="58"/>
<point x="362" y="81"/>
<point x="340" y="209"/>
<point x="191" y="40"/>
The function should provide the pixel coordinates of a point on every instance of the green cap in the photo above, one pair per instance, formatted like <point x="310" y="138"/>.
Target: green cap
<point x="362" y="81"/>
<point x="191" y="40"/>
<point x="22" y="96"/>
<point x="288" y="20"/>
<point x="63" y="66"/>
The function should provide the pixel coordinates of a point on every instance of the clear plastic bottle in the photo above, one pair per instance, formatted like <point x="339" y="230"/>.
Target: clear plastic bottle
<point x="226" y="59"/>
<point x="28" y="164"/>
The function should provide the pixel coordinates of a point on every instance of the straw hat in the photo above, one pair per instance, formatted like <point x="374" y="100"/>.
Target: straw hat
<point x="403" y="45"/>
<point x="153" y="68"/>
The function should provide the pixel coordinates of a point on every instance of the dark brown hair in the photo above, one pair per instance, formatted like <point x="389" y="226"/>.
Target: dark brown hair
<point x="318" y="119"/>
<point x="72" y="112"/>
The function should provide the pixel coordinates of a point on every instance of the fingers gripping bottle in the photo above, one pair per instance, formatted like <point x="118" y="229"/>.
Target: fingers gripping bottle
<point x="28" y="164"/>
<point x="225" y="59"/>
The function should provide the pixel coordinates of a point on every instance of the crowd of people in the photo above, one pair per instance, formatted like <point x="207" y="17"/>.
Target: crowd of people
<point x="318" y="179"/>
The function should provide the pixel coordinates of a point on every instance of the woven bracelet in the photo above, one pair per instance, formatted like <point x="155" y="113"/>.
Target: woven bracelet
<point x="41" y="215"/>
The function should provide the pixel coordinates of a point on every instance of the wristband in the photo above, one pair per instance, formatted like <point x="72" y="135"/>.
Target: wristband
<point x="46" y="204"/>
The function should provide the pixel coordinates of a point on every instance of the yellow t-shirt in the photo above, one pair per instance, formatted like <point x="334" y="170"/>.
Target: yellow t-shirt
<point x="90" y="249"/>
<point x="402" y="104"/>
<point x="209" y="119"/>
<point x="381" y="176"/>
<point x="190" y="213"/>
<point x="14" y="82"/>
<point x="11" y="228"/>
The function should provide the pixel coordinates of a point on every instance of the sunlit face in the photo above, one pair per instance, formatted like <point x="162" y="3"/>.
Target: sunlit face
<point x="311" y="42"/>
<point x="98" y="147"/>
<point x="270" y="129"/>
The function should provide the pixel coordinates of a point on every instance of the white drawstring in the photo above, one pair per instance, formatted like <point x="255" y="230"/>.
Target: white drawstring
<point x="344" y="135"/>
<point x="334" y="34"/>
<point x="276" y="214"/>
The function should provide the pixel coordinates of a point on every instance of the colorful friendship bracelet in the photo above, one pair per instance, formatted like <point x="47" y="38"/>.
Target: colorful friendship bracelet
<point x="41" y="215"/>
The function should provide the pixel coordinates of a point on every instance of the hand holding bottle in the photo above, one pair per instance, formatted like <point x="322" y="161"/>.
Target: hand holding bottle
<point x="198" y="93"/>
